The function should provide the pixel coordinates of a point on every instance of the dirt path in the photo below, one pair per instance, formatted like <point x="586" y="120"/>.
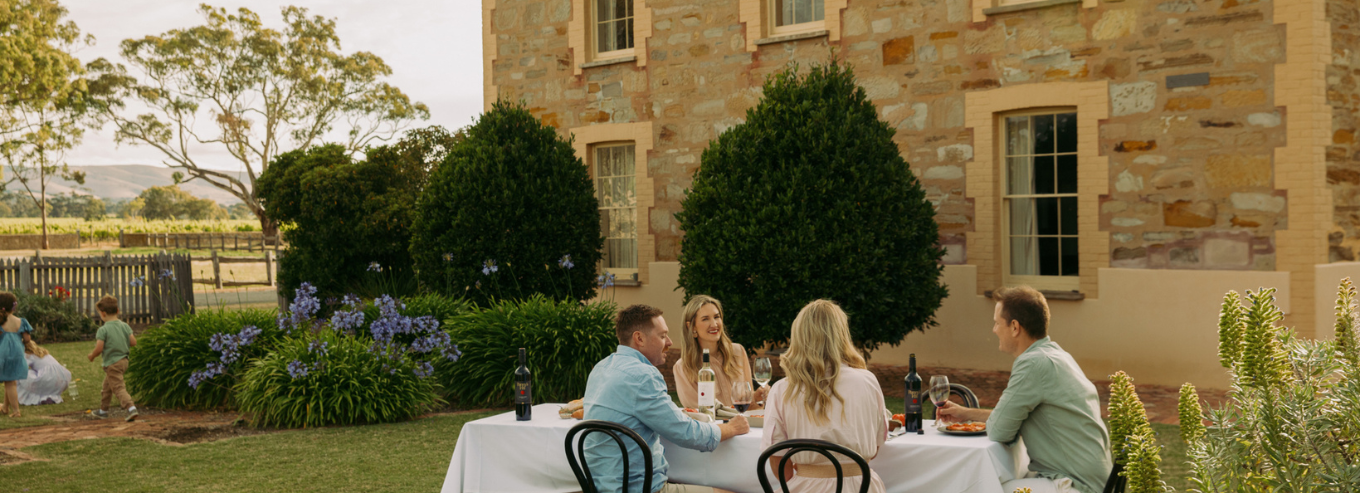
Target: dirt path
<point x="170" y="427"/>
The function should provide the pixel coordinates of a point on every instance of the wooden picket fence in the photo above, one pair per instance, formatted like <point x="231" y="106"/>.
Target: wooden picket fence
<point x="149" y="288"/>
<point x="249" y="241"/>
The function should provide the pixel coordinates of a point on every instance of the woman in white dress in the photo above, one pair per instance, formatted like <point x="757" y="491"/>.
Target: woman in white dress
<point x="827" y="394"/>
<point x="47" y="378"/>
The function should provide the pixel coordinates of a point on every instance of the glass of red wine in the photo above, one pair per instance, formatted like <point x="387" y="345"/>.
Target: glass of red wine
<point x="939" y="394"/>
<point x="742" y="395"/>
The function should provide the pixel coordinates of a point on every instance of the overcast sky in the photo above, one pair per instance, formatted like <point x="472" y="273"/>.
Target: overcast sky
<point x="433" y="47"/>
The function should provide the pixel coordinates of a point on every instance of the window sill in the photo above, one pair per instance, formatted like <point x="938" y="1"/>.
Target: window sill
<point x="1025" y="6"/>
<point x="792" y="37"/>
<point x="611" y="61"/>
<point x="1053" y="295"/>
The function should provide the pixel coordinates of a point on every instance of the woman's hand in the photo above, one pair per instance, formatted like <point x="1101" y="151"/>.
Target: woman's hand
<point x="760" y="394"/>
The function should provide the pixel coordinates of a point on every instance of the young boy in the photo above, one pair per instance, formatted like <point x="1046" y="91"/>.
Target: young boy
<point x="114" y="340"/>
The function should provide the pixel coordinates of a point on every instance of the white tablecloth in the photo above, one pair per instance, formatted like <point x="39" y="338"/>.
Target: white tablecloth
<point x="498" y="454"/>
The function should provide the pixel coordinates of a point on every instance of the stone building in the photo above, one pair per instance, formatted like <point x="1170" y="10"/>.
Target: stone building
<point x="1134" y="158"/>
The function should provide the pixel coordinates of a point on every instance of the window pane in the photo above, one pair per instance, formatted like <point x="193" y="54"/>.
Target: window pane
<point x="604" y="10"/>
<point x="1043" y="134"/>
<point x="1020" y="175"/>
<point x="625" y="192"/>
<point x="1046" y="216"/>
<point x="1048" y="257"/>
<point x="1017" y="135"/>
<point x="783" y="12"/>
<point x="1069" y="256"/>
<point x="628" y="28"/>
<point x="1067" y="132"/>
<point x="818" y="10"/>
<point x="621" y="8"/>
<point x="1043" y="174"/>
<point x="1022" y="256"/>
<point x="621" y="38"/>
<point x="1067" y="173"/>
<point x="802" y="10"/>
<point x="1069" y="215"/>
<point x="620" y="253"/>
<point x="604" y="38"/>
<point x="1022" y="217"/>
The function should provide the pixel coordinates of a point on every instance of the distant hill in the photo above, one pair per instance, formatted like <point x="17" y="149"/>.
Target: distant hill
<point x="125" y="181"/>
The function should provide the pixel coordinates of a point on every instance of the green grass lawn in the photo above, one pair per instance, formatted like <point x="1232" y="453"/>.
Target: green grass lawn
<point x="411" y="456"/>
<point x="89" y="374"/>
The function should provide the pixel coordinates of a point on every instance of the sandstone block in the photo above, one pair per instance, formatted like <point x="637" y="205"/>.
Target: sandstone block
<point x="957" y="153"/>
<point x="949" y="172"/>
<point x="1128" y="182"/>
<point x="899" y="51"/>
<point x="1225" y="252"/>
<point x="1257" y="201"/>
<point x="1133" y="97"/>
<point x="1237" y="170"/>
<point x="1115" y="24"/>
<point x="882" y="25"/>
<point x="1187" y="214"/>
<point x="1188" y="103"/>
<point x="988" y="41"/>
<point x="1136" y="146"/>
<point x="880" y="87"/>
<point x="1234" y="99"/>
<point x="1258" y="46"/>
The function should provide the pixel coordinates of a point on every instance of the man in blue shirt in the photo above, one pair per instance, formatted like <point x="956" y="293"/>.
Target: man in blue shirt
<point x="626" y="388"/>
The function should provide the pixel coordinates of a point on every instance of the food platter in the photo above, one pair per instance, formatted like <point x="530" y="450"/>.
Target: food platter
<point x="965" y="429"/>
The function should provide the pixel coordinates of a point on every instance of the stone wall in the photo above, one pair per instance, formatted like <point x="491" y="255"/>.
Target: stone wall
<point x="1343" y="156"/>
<point x="1190" y="135"/>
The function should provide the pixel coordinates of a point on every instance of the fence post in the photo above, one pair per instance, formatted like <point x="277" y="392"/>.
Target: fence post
<point x="217" y="269"/>
<point x="106" y="273"/>
<point x="25" y="268"/>
<point x="269" y="267"/>
<point x="121" y="243"/>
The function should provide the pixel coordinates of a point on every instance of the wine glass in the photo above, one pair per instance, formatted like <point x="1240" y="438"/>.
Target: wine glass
<point x="762" y="371"/>
<point x="939" y="394"/>
<point x="741" y="395"/>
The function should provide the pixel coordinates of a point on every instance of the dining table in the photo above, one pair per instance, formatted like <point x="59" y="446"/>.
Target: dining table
<point x="500" y="454"/>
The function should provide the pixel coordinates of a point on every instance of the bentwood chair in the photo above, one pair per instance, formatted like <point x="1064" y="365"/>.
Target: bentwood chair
<point x="808" y="445"/>
<point x="1116" y="483"/>
<point x="581" y="469"/>
<point x="969" y="398"/>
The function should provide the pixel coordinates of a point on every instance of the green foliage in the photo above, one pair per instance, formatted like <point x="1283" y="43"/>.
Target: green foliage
<point x="563" y="339"/>
<point x="346" y="385"/>
<point x="439" y="306"/>
<point x="169" y="202"/>
<point x="1127" y="417"/>
<point x="345" y="215"/>
<point x="1263" y="361"/>
<point x="1230" y="320"/>
<point x="166" y="356"/>
<point x="810" y="198"/>
<point x="1142" y="472"/>
<point x="513" y="192"/>
<point x="1293" y="420"/>
<point x="54" y="319"/>
<point x="1191" y="415"/>
<point x="1346" y="342"/>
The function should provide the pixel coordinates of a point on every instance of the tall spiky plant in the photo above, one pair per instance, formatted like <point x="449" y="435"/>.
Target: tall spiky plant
<point x="1191" y="415"/>
<point x="1141" y="469"/>
<point x="1264" y="364"/>
<point x="1345" y="323"/>
<point x="1127" y="416"/>
<point x="1230" y="330"/>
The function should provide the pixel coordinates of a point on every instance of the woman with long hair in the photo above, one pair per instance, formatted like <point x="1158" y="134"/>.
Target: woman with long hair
<point x="13" y="366"/>
<point x="704" y="329"/>
<point x="826" y="394"/>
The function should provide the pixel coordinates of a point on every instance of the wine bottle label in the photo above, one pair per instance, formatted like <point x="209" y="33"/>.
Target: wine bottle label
<point x="523" y="393"/>
<point x="913" y="402"/>
<point x="706" y="394"/>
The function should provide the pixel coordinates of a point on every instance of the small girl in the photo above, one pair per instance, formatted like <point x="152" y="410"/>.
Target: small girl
<point x="14" y="334"/>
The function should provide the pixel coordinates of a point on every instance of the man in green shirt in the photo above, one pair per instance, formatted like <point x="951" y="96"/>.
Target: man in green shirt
<point x="115" y="339"/>
<point x="1048" y="402"/>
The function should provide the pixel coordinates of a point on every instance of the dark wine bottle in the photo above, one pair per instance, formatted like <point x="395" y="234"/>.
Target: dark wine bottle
<point x="913" y="399"/>
<point x="524" y="392"/>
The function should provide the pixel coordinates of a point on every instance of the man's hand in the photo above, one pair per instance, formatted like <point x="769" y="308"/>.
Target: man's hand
<point x="954" y="412"/>
<point x="735" y="426"/>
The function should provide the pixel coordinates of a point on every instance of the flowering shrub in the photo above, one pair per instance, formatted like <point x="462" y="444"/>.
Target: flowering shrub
<point x="59" y="293"/>
<point x="55" y="319"/>
<point x="331" y="379"/>
<point x="564" y="340"/>
<point x="193" y="360"/>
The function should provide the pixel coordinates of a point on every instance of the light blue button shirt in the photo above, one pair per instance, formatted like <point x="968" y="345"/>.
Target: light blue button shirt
<point x="627" y="389"/>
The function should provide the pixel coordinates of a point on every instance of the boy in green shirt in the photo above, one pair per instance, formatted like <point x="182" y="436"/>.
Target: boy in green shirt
<point x="115" y="339"/>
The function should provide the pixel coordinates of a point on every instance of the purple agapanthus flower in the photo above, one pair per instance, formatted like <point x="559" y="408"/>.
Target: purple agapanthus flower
<point x="489" y="267"/>
<point x="297" y="369"/>
<point x="167" y="273"/>
<point x="138" y="282"/>
<point x="423" y="369"/>
<point x="565" y="262"/>
<point x="374" y="267"/>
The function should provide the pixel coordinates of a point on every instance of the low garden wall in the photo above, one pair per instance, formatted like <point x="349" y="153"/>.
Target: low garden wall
<point x="34" y="242"/>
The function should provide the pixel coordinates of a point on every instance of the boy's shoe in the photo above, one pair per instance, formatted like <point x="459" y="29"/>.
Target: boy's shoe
<point x="132" y="414"/>
<point x="100" y="413"/>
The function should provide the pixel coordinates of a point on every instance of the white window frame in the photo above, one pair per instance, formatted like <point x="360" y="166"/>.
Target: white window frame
<point x="1054" y="283"/>
<point x="593" y="33"/>
<point x="771" y="7"/>
<point x="594" y="149"/>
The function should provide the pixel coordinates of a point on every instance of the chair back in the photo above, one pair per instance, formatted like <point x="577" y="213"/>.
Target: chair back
<point x="969" y="398"/>
<point x="809" y="445"/>
<point x="1116" y="483"/>
<point x="582" y="470"/>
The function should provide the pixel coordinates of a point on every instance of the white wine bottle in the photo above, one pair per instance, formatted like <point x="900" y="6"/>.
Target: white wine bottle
<point x="707" y="386"/>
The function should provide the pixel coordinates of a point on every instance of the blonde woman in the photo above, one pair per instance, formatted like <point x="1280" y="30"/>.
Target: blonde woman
<point x="704" y="329"/>
<point x="826" y="394"/>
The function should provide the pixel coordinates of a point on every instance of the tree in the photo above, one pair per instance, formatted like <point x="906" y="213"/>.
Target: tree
<point x="94" y="210"/>
<point x="347" y="215"/>
<point x="507" y="207"/>
<point x="810" y="198"/>
<point x="133" y="208"/>
<point x="266" y="91"/>
<point x="48" y="101"/>
<point x="169" y="202"/>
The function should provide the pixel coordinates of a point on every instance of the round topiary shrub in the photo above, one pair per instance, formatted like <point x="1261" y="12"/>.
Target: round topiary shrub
<point x="510" y="213"/>
<point x="173" y="361"/>
<point x="810" y="198"/>
<point x="331" y="379"/>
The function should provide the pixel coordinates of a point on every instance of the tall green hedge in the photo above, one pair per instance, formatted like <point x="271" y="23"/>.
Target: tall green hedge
<point x="810" y="198"/>
<point x="514" y="193"/>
